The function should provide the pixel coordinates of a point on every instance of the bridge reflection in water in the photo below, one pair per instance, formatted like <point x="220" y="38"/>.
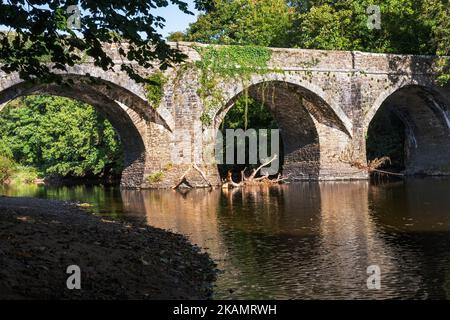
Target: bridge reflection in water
<point x="314" y="240"/>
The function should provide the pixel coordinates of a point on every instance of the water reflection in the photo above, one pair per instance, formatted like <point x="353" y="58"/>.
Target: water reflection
<point x="105" y="200"/>
<point x="193" y="214"/>
<point x="414" y="219"/>
<point x="305" y="240"/>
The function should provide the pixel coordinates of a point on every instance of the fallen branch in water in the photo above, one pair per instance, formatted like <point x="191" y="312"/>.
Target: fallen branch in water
<point x="252" y="180"/>
<point x="371" y="166"/>
<point x="202" y="174"/>
<point x="255" y="171"/>
<point x="388" y="172"/>
<point x="183" y="177"/>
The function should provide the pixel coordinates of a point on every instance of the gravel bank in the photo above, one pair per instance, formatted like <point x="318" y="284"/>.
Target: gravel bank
<point x="39" y="239"/>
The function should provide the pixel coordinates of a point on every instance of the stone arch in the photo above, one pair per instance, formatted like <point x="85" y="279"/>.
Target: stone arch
<point x="424" y="111"/>
<point x="115" y="84"/>
<point x="329" y="111"/>
<point x="112" y="104"/>
<point x="300" y="111"/>
<point x="425" y="83"/>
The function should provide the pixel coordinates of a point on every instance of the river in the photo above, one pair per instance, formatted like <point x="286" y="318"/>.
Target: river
<point x="301" y="240"/>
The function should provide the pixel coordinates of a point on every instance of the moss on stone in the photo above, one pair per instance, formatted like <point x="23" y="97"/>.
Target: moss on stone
<point x="156" y="177"/>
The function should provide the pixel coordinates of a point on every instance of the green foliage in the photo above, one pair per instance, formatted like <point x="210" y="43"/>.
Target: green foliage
<point x="155" y="177"/>
<point x="37" y="31"/>
<point x="243" y="22"/>
<point x="234" y="61"/>
<point x="158" y="176"/>
<point x="444" y="78"/>
<point x="329" y="35"/>
<point x="219" y="63"/>
<point x="12" y="173"/>
<point x="342" y="25"/>
<point x="154" y="88"/>
<point x="438" y="13"/>
<point x="258" y="116"/>
<point x="23" y="175"/>
<point x="59" y="137"/>
<point x="176" y="36"/>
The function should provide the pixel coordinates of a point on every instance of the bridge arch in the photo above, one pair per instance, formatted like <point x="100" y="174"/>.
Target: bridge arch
<point x="328" y="111"/>
<point x="425" y="83"/>
<point x="116" y="104"/>
<point x="423" y="112"/>
<point x="301" y="111"/>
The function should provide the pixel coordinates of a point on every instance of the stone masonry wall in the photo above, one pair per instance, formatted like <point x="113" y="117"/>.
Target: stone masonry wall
<point x="323" y="103"/>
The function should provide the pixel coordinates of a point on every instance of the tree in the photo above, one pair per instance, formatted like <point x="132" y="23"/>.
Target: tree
<point x="176" y="36"/>
<point x="59" y="137"/>
<point x="342" y="25"/>
<point x="39" y="31"/>
<point x="243" y="22"/>
<point x="437" y="15"/>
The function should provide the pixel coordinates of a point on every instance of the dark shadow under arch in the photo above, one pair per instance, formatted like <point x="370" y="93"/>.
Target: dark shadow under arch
<point x="424" y="118"/>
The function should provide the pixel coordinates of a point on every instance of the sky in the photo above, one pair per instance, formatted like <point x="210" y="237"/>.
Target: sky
<point x="175" y="19"/>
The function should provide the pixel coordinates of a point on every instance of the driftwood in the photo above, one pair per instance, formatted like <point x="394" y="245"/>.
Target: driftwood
<point x="183" y="177"/>
<point x="202" y="174"/>
<point x="371" y="166"/>
<point x="252" y="179"/>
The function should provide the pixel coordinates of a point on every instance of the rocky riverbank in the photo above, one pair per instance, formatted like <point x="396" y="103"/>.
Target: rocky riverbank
<point x="39" y="239"/>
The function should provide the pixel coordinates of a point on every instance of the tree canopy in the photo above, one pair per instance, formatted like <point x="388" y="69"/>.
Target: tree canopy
<point x="407" y="26"/>
<point x="59" y="137"/>
<point x="243" y="22"/>
<point x="63" y="32"/>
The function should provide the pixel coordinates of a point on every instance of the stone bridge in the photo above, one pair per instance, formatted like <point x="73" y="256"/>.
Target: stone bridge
<point x="322" y="101"/>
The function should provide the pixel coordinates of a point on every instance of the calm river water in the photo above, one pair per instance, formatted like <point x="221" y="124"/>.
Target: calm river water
<point x="302" y="240"/>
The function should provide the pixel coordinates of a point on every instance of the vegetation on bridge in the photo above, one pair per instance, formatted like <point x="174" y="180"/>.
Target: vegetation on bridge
<point x="154" y="88"/>
<point x="221" y="63"/>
